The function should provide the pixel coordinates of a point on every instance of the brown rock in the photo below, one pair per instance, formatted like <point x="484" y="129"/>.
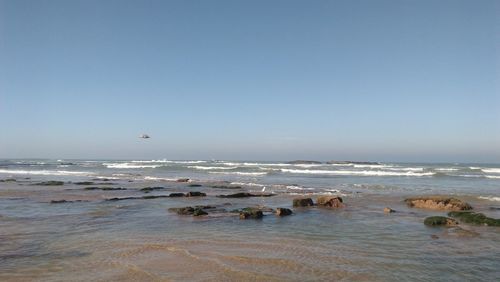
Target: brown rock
<point x="388" y="210"/>
<point x="330" y="201"/>
<point x="283" y="211"/>
<point x="183" y="180"/>
<point x="438" y="203"/>
<point x="303" y="202"/>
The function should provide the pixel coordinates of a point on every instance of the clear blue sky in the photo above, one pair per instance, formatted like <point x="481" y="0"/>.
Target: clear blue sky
<point x="270" y="80"/>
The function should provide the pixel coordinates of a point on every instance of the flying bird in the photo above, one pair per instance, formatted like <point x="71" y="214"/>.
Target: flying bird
<point x="144" y="136"/>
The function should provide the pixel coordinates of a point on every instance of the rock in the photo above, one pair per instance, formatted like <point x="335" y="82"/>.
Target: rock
<point x="251" y="213"/>
<point x="303" y="162"/>
<point x="388" y="210"/>
<point x="198" y="212"/>
<point x="84" y="183"/>
<point x="244" y="195"/>
<point x="8" y="180"/>
<point x="440" y="221"/>
<point x="149" y="189"/>
<point x="475" y="218"/>
<point x="154" y="197"/>
<point x="283" y="211"/>
<point x="65" y="201"/>
<point x="225" y="186"/>
<point x="173" y="195"/>
<point x="303" y="202"/>
<point x="50" y="183"/>
<point x="195" y="185"/>
<point x="330" y="201"/>
<point x="434" y="236"/>
<point x="183" y="180"/>
<point x="195" y="194"/>
<point x="438" y="203"/>
<point x="104" y="188"/>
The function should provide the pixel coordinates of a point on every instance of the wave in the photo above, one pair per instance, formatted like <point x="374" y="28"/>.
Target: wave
<point x="372" y="166"/>
<point x="493" y="176"/>
<point x="490" y="198"/>
<point x="47" y="172"/>
<point x="129" y="165"/>
<point x="240" y="173"/>
<point x="491" y="170"/>
<point x="446" y="169"/>
<point x="211" y="167"/>
<point x="160" y="178"/>
<point x="357" y="172"/>
<point x="405" y="168"/>
<point x="474" y="167"/>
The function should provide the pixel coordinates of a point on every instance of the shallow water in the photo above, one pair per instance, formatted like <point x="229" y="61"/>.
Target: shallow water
<point x="139" y="239"/>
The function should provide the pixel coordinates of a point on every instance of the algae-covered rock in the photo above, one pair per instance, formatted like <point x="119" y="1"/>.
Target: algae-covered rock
<point x="194" y="211"/>
<point x="475" y="218"/>
<point x="50" y="183"/>
<point x="440" y="221"/>
<point x="283" y="212"/>
<point x="303" y="202"/>
<point x="84" y="183"/>
<point x="251" y="213"/>
<point x="438" y="203"/>
<point x="330" y="201"/>
<point x="8" y="180"/>
<point x="195" y="194"/>
<point x="174" y="195"/>
<point x="198" y="212"/>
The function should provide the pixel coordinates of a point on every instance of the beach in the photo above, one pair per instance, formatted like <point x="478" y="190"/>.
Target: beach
<point x="109" y="220"/>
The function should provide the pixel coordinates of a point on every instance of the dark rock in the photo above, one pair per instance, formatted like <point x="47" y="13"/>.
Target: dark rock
<point x="173" y="195"/>
<point x="283" y="211"/>
<point x="122" y="199"/>
<point x="183" y="180"/>
<point x="303" y="202"/>
<point x="303" y="162"/>
<point x="194" y="211"/>
<point x="149" y="189"/>
<point x="225" y="186"/>
<point x="105" y="188"/>
<point x="440" y="221"/>
<point x="8" y="180"/>
<point x="194" y="185"/>
<point x="388" y="210"/>
<point x="330" y="201"/>
<point x="251" y="213"/>
<point x="50" y="183"/>
<point x="198" y="212"/>
<point x="475" y="218"/>
<point x="154" y="197"/>
<point x="244" y="195"/>
<point x="65" y="201"/>
<point x="84" y="183"/>
<point x="195" y="194"/>
<point x="438" y="203"/>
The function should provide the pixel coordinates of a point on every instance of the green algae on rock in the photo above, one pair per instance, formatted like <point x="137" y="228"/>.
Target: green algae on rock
<point x="475" y="218"/>
<point x="440" y="221"/>
<point x="303" y="202"/>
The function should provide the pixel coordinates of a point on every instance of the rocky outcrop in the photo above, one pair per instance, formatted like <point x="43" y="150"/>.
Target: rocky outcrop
<point x="475" y="218"/>
<point x="330" y="202"/>
<point x="194" y="211"/>
<point x="183" y="180"/>
<point x="244" y="195"/>
<point x="251" y="213"/>
<point x="303" y="162"/>
<point x="50" y="183"/>
<point x="438" y="203"/>
<point x="195" y="194"/>
<point x="283" y="212"/>
<point x="303" y="202"/>
<point x="440" y="221"/>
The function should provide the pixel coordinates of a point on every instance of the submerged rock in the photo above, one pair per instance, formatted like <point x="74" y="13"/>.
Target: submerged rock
<point x="149" y="189"/>
<point x="303" y="202"/>
<point x="388" y="210"/>
<point x="253" y="213"/>
<point x="104" y="188"/>
<point x="195" y="194"/>
<point x="225" y="186"/>
<point x="303" y="162"/>
<point x="8" y="180"/>
<point x="244" y="195"/>
<point x="195" y="185"/>
<point x="183" y="180"/>
<point x="283" y="212"/>
<point x="475" y="218"/>
<point x="438" y="203"/>
<point x="173" y="195"/>
<point x="330" y="201"/>
<point x="84" y="183"/>
<point x="440" y="221"/>
<point x="65" y="201"/>
<point x="194" y="211"/>
<point x="50" y="183"/>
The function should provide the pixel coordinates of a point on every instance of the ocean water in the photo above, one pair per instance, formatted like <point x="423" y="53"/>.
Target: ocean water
<point x="91" y="239"/>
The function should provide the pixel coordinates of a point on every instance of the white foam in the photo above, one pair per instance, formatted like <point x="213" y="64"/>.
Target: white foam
<point x="248" y="184"/>
<point x="160" y="178"/>
<point x="47" y="172"/>
<point x="358" y="172"/>
<point x="446" y="169"/>
<point x="474" y="167"/>
<point x="129" y="165"/>
<point x="491" y="198"/>
<point x="405" y="168"/>
<point x="211" y="167"/>
<point x="491" y="170"/>
<point x="493" y="176"/>
<point x="240" y="173"/>
<point x="372" y="166"/>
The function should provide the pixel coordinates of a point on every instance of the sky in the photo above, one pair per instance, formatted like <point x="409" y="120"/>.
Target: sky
<point x="410" y="81"/>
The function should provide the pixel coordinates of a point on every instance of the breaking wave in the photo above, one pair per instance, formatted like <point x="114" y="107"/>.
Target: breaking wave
<point x="490" y="198"/>
<point x="240" y="173"/>
<point x="357" y="172"/>
<point x="47" y="172"/>
<point x="129" y="165"/>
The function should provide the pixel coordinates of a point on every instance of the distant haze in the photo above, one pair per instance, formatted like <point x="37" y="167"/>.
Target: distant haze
<point x="414" y="81"/>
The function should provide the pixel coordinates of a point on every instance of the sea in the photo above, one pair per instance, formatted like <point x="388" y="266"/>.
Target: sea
<point x="96" y="222"/>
